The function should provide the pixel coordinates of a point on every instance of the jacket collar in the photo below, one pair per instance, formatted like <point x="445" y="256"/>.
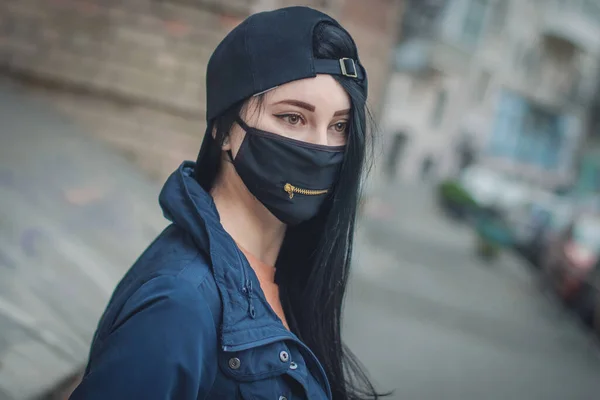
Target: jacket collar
<point x="248" y="320"/>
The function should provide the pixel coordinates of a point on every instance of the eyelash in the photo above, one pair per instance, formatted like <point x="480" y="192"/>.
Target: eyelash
<point x="285" y="116"/>
<point x="301" y="119"/>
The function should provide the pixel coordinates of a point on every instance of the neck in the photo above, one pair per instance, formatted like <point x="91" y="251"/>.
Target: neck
<point x="248" y="222"/>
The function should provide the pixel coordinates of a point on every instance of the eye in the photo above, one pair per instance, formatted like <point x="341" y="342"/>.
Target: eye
<point x="292" y="119"/>
<point x="340" y="126"/>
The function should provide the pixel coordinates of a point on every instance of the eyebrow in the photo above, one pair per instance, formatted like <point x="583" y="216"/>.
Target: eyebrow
<point x="341" y="112"/>
<point x="310" y="107"/>
<point x="298" y="103"/>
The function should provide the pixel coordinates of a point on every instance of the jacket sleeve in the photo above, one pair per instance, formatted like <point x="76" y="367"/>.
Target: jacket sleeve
<point x="163" y="346"/>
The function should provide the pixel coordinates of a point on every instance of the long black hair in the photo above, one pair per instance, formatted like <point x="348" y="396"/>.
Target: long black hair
<point x="314" y="261"/>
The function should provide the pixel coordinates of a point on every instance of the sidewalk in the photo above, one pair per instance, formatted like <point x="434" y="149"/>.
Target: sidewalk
<point x="416" y="254"/>
<point x="73" y="217"/>
<point x="431" y="320"/>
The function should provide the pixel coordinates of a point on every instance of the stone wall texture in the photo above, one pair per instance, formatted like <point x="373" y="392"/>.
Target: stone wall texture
<point x="132" y="72"/>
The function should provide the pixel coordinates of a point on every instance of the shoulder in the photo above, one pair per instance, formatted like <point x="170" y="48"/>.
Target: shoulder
<point x="163" y="343"/>
<point x="180" y="297"/>
<point x="172" y="254"/>
<point x="173" y="269"/>
<point x="171" y="276"/>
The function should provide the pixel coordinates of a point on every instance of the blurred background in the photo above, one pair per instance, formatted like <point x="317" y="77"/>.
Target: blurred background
<point x="476" y="269"/>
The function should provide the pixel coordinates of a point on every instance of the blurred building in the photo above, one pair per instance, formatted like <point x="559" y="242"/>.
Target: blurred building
<point x="133" y="71"/>
<point x="504" y="83"/>
<point x="589" y="166"/>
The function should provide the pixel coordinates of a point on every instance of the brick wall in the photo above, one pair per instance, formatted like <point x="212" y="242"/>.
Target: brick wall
<point x="374" y="24"/>
<point x="132" y="72"/>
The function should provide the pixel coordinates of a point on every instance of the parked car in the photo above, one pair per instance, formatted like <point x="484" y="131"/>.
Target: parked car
<point x="534" y="223"/>
<point x="587" y="300"/>
<point x="455" y="201"/>
<point x="491" y="188"/>
<point x="571" y="256"/>
<point x="481" y="184"/>
<point x="493" y="233"/>
<point x="596" y="322"/>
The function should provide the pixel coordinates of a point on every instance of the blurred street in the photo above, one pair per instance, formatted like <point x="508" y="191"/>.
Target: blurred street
<point x="426" y="316"/>
<point x="489" y="107"/>
<point x="431" y="321"/>
<point x="74" y="215"/>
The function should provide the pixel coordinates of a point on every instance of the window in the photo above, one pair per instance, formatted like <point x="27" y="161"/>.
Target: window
<point x="427" y="165"/>
<point x="524" y="132"/>
<point x="420" y="17"/>
<point x="438" y="110"/>
<point x="507" y="126"/>
<point x="540" y="139"/>
<point x="473" y="22"/>
<point x="465" y="151"/>
<point x="483" y="82"/>
<point x="499" y="15"/>
<point x="395" y="154"/>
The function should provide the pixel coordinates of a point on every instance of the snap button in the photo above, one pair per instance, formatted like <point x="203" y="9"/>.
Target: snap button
<point x="284" y="356"/>
<point x="234" y="363"/>
<point x="293" y="365"/>
<point x="282" y="398"/>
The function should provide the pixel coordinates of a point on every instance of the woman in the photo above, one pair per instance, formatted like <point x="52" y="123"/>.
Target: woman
<point x="241" y="297"/>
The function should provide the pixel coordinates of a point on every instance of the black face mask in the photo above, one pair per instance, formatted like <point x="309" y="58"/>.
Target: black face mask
<point x="290" y="177"/>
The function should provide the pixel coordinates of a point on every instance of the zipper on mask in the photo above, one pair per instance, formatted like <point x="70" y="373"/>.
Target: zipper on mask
<point x="291" y="190"/>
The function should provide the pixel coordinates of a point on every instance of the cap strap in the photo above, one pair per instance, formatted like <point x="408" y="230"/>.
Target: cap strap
<point x="242" y="123"/>
<point x="344" y="66"/>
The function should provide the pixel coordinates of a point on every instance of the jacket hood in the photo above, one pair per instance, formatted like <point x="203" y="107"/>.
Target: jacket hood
<point x="248" y="320"/>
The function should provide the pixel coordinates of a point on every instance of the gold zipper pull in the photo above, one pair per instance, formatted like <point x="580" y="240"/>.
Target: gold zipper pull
<point x="289" y="189"/>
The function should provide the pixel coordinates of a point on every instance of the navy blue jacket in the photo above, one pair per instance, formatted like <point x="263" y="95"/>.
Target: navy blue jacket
<point x="189" y="320"/>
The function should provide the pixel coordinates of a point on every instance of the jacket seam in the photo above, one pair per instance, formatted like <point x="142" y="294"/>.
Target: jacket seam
<point x="197" y="256"/>
<point x="275" y="372"/>
<point x="258" y="327"/>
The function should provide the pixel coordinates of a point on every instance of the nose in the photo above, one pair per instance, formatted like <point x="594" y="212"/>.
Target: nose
<point x="319" y="136"/>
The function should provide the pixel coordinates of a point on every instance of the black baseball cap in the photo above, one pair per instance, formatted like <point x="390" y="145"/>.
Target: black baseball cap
<point x="269" y="49"/>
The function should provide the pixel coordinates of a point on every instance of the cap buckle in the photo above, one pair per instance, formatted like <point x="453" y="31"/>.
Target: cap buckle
<point x="354" y="73"/>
